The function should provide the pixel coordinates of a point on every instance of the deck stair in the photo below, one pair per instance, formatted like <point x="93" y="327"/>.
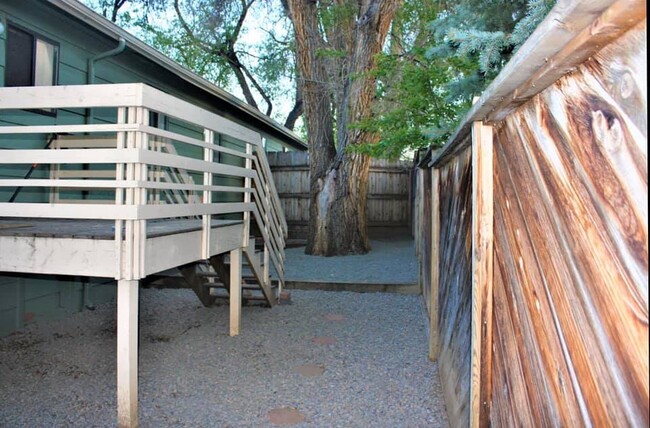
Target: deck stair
<point x="210" y="279"/>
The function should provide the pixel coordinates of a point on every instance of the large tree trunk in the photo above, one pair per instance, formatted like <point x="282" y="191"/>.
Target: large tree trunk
<point x="345" y="88"/>
<point x="338" y="220"/>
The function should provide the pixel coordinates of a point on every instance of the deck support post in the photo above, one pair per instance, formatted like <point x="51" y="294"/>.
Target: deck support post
<point x="235" y="291"/>
<point x="130" y="247"/>
<point x="435" y="264"/>
<point x="127" y="353"/>
<point x="482" y="273"/>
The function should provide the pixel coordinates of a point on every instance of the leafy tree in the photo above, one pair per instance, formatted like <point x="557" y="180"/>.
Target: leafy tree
<point x="337" y="46"/>
<point x="440" y="56"/>
<point x="374" y="79"/>
<point x="215" y="28"/>
<point x="411" y="94"/>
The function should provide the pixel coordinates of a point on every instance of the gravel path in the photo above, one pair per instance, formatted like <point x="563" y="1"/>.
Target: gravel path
<point x="340" y="359"/>
<point x="390" y="261"/>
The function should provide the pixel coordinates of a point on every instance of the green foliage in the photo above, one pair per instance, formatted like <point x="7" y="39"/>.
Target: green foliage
<point x="125" y="12"/>
<point x="331" y="53"/>
<point x="332" y="16"/>
<point x="410" y="104"/>
<point x="275" y="66"/>
<point x="445" y="56"/>
<point x="411" y="88"/>
<point x="483" y="35"/>
<point x="212" y="40"/>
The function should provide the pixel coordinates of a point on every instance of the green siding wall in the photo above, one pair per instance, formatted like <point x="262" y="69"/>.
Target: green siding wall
<point x="29" y="299"/>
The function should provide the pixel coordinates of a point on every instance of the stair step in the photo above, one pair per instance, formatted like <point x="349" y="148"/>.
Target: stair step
<point x="244" y="286"/>
<point x="246" y="272"/>
<point x="247" y="299"/>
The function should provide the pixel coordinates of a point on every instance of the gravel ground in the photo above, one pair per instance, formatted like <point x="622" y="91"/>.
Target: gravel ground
<point x="390" y="261"/>
<point x="192" y="374"/>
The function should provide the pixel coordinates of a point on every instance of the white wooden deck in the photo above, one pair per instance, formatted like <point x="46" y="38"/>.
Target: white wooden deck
<point x="163" y="204"/>
<point x="87" y="247"/>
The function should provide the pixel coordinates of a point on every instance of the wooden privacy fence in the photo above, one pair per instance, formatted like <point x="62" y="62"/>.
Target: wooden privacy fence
<point x="389" y="202"/>
<point x="533" y="231"/>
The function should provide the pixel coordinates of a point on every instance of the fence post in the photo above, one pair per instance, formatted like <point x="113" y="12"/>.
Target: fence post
<point x="435" y="264"/>
<point x="482" y="273"/>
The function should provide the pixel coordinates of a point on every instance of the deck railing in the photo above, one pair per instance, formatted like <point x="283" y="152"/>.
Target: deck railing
<point x="221" y="166"/>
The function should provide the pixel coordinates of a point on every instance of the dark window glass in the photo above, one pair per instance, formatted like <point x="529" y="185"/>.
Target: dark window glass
<point x="31" y="59"/>
<point x="19" y="69"/>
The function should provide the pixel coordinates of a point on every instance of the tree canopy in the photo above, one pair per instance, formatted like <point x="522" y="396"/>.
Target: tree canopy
<point x="436" y="58"/>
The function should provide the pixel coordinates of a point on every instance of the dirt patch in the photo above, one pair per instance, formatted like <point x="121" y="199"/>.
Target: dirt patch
<point x="324" y="340"/>
<point x="310" y="370"/>
<point x="334" y="317"/>
<point x="286" y="416"/>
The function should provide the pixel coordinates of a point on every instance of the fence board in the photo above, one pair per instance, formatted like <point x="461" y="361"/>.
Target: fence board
<point x="389" y="184"/>
<point x="572" y="248"/>
<point x="455" y="287"/>
<point x="570" y="276"/>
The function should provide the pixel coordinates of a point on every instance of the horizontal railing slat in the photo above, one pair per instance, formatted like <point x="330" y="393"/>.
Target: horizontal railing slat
<point x="68" y="129"/>
<point x="121" y="184"/>
<point x="192" y="141"/>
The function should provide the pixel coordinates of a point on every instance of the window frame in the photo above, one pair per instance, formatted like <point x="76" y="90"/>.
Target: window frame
<point x="57" y="57"/>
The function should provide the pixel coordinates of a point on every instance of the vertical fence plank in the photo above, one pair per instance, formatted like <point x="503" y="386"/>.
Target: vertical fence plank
<point x="482" y="273"/>
<point x="435" y="264"/>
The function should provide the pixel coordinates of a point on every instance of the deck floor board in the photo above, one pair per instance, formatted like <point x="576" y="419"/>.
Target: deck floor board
<point x="96" y="229"/>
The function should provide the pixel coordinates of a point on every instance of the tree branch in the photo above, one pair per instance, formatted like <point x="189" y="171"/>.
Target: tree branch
<point x="257" y="86"/>
<point x="298" y="108"/>
<point x="190" y="33"/>
<point x="237" y="67"/>
<point x="280" y="42"/>
<point x="240" y="23"/>
<point x="117" y="4"/>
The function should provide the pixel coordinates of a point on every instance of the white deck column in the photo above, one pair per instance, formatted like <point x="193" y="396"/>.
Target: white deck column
<point x="235" y="291"/>
<point x="127" y="353"/>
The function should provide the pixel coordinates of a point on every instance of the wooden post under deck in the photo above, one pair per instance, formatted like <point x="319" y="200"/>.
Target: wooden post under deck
<point x="235" y="291"/>
<point x="127" y="353"/>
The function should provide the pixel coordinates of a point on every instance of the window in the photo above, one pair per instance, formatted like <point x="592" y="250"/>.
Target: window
<point x="31" y="60"/>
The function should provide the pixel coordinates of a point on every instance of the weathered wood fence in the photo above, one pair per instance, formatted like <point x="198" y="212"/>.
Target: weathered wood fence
<point x="533" y="225"/>
<point x="389" y="202"/>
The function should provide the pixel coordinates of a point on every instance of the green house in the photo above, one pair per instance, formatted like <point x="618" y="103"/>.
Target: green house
<point x="62" y="42"/>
